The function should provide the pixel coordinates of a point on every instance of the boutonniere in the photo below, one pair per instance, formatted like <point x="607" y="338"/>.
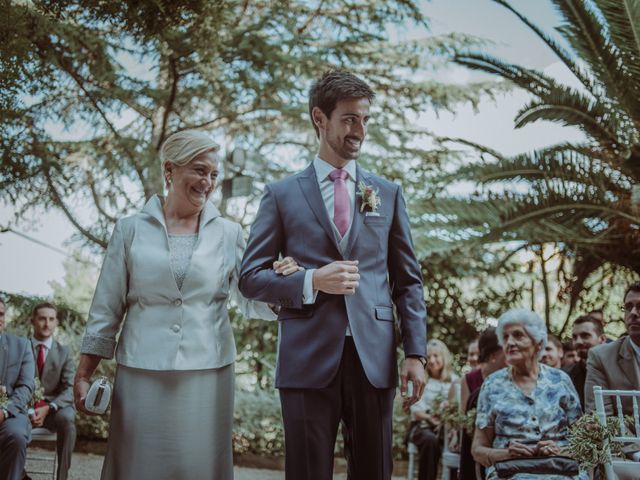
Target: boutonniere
<point x="370" y="199"/>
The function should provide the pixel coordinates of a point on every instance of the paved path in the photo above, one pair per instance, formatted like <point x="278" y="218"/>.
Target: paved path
<point x="86" y="466"/>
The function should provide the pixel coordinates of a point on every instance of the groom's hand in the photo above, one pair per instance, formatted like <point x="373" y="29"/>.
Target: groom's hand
<point x="412" y="371"/>
<point x="337" y="278"/>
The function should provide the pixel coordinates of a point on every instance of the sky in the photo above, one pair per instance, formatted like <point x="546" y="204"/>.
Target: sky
<point x="28" y="267"/>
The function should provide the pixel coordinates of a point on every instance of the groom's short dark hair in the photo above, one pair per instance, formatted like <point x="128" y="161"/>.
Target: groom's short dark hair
<point x="333" y="86"/>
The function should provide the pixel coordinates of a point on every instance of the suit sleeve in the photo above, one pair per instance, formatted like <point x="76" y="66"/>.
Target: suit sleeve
<point x="109" y="300"/>
<point x="25" y="383"/>
<point x="595" y="376"/>
<point x="65" y="387"/>
<point x="407" y="290"/>
<point x="258" y="280"/>
<point x="248" y="308"/>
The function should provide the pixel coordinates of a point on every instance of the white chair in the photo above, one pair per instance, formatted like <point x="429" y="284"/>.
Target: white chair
<point x="413" y="451"/>
<point x="46" y="463"/>
<point x="622" y="467"/>
<point x="450" y="460"/>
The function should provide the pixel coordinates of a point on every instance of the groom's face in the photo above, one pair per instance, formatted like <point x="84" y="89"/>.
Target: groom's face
<point x="344" y="131"/>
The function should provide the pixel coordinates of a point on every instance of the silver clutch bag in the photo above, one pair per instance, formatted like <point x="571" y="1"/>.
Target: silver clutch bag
<point x="98" y="397"/>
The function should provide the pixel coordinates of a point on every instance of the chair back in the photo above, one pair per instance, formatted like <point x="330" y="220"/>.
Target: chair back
<point x="626" y="435"/>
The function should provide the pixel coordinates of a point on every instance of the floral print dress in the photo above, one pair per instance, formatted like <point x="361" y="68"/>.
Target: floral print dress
<point x="546" y="414"/>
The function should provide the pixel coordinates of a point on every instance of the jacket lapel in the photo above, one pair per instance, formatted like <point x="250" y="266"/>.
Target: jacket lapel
<point x="627" y="361"/>
<point x="311" y="192"/>
<point x="358" y="216"/>
<point x="4" y="352"/>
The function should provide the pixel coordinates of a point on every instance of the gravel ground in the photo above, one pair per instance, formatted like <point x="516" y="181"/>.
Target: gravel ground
<point x="86" y="466"/>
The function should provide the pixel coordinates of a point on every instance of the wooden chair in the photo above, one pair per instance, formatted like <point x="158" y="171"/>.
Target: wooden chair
<point x="620" y="468"/>
<point x="45" y="463"/>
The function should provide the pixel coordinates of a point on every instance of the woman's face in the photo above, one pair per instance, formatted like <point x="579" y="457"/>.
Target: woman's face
<point x="191" y="184"/>
<point x="435" y="363"/>
<point x="518" y="346"/>
<point x="472" y="354"/>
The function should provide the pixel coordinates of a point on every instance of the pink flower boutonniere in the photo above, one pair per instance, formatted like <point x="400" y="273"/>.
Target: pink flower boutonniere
<point x="370" y="199"/>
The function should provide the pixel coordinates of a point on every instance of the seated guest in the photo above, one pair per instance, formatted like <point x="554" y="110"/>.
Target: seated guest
<point x="569" y="355"/>
<point x="524" y="410"/>
<point x="16" y="376"/>
<point x="616" y="365"/>
<point x="55" y="368"/>
<point x="491" y="359"/>
<point x="472" y="354"/>
<point x="425" y="421"/>
<point x="553" y="352"/>
<point x="587" y="333"/>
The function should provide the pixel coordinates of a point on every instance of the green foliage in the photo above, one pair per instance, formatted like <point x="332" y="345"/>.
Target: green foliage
<point x="591" y="443"/>
<point x="577" y="199"/>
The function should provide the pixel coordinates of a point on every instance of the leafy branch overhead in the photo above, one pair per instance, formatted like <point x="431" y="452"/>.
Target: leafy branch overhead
<point x="92" y="89"/>
<point x="576" y="196"/>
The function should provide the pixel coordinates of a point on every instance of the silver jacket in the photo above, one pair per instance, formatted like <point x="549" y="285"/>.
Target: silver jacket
<point x="164" y="328"/>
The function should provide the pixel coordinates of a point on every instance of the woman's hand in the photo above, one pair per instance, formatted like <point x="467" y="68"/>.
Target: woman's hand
<point x="286" y="266"/>
<point x="517" y="449"/>
<point x="80" y="389"/>
<point x="547" y="448"/>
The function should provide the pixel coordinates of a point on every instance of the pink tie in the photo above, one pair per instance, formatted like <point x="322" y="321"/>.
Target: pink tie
<point x="340" y="200"/>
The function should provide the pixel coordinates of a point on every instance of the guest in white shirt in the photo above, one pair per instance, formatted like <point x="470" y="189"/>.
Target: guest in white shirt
<point x="425" y="433"/>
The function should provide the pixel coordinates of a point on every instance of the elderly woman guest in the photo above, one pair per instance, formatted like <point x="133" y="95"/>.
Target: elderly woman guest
<point x="523" y="410"/>
<point x="167" y="275"/>
<point x="424" y="431"/>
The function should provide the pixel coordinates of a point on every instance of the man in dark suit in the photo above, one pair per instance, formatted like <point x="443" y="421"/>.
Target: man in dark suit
<point x="587" y="333"/>
<point x="16" y="376"/>
<point x="616" y="365"/>
<point x="336" y="346"/>
<point x="55" y="369"/>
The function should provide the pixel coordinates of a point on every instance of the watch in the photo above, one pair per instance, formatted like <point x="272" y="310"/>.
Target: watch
<point x="423" y="360"/>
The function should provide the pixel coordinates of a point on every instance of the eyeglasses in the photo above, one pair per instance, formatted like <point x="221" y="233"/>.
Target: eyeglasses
<point x="628" y="307"/>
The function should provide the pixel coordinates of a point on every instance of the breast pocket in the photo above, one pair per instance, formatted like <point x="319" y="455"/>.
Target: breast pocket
<point x="376" y="220"/>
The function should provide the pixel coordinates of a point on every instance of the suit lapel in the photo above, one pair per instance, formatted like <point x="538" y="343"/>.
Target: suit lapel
<point x="358" y="216"/>
<point x="4" y="352"/>
<point x="311" y="192"/>
<point x="627" y="361"/>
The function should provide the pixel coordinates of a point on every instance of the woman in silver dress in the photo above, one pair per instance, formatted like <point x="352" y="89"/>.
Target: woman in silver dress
<point x="166" y="278"/>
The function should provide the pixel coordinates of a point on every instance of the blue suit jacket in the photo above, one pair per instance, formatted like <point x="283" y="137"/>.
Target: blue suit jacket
<point x="17" y="372"/>
<point x="292" y="221"/>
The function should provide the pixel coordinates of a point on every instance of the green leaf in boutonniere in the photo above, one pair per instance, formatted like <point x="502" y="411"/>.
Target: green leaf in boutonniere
<point x="4" y="399"/>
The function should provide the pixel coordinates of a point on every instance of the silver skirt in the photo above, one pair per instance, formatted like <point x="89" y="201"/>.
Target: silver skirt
<point x="171" y="425"/>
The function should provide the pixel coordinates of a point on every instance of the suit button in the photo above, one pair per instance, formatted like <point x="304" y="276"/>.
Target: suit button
<point x="176" y="328"/>
<point x="177" y="302"/>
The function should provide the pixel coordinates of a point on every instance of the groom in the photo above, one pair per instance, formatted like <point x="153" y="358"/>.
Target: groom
<point x="337" y="349"/>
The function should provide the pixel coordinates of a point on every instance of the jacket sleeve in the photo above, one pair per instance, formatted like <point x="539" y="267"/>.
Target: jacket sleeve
<point x="258" y="280"/>
<point x="109" y="300"/>
<point x="595" y="376"/>
<point x="25" y="384"/>
<point x="248" y="308"/>
<point x="407" y="290"/>
<point x="64" y="398"/>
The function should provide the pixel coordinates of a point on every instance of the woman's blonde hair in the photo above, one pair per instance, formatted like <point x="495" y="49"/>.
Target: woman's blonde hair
<point x="447" y="361"/>
<point x="182" y="147"/>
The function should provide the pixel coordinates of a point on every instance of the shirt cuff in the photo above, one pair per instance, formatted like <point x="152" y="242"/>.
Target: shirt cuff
<point x="53" y="407"/>
<point x="309" y="295"/>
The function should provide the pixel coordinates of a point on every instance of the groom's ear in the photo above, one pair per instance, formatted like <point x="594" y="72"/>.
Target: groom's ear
<point x="319" y="118"/>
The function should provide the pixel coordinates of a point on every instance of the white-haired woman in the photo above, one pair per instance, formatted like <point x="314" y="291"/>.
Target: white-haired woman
<point x="167" y="275"/>
<point x="525" y="409"/>
<point x="424" y="432"/>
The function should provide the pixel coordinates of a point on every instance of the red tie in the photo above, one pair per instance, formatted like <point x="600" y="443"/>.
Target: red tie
<point x="40" y="360"/>
<point x="341" y="208"/>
